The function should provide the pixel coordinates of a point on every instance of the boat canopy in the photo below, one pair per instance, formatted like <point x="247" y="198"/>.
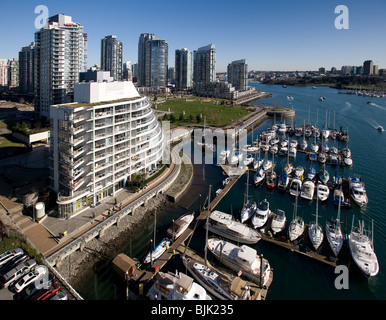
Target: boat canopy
<point x="123" y="265"/>
<point x="184" y="282"/>
<point x="247" y="254"/>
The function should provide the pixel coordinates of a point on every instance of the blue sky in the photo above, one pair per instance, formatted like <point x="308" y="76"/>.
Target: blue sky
<point x="271" y="35"/>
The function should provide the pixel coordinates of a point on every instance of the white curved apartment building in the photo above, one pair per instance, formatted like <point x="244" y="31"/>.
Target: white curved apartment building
<point x="98" y="142"/>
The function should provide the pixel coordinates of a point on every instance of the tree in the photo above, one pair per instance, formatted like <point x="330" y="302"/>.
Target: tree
<point x="172" y="118"/>
<point x="198" y="118"/>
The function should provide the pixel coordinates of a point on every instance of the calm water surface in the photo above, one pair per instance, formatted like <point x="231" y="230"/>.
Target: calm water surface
<point x="295" y="276"/>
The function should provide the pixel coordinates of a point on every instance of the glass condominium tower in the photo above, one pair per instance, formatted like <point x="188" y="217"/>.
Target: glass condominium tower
<point x="61" y="54"/>
<point x="238" y="74"/>
<point x="205" y="64"/>
<point x="183" y="69"/>
<point x="111" y="56"/>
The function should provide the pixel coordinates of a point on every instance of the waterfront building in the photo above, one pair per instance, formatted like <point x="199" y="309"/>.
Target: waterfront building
<point x="111" y="56"/>
<point x="205" y="64"/>
<point x="98" y="142"/>
<point x="238" y="74"/>
<point x="61" y="54"/>
<point x="26" y="69"/>
<point x="156" y="64"/>
<point x="368" y="67"/>
<point x="127" y="73"/>
<point x="183" y="69"/>
<point x="3" y="73"/>
<point x="143" y="69"/>
<point x="13" y="73"/>
<point x="375" y="70"/>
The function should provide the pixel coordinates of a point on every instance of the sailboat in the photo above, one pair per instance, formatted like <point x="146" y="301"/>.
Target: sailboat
<point x="334" y="233"/>
<point x="315" y="231"/>
<point x="249" y="206"/>
<point x="362" y="249"/>
<point x="296" y="227"/>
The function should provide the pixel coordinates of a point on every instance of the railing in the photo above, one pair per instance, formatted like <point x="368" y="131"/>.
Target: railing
<point x="92" y="233"/>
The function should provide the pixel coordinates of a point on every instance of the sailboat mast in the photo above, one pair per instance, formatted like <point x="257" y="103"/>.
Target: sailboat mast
<point x="207" y="225"/>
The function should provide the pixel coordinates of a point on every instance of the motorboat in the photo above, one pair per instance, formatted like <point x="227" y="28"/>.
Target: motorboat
<point x="257" y="163"/>
<point x="333" y="159"/>
<point x="271" y="179"/>
<point x="293" y="143"/>
<point x="346" y="152"/>
<point x="179" y="226"/>
<point x="348" y="161"/>
<point x="267" y="165"/>
<point x="322" y="157"/>
<point x="312" y="156"/>
<point x="226" y="226"/>
<point x="339" y="198"/>
<point x="358" y="191"/>
<point x="296" y="227"/>
<point x="325" y="133"/>
<point x="362" y="250"/>
<point x="247" y="210"/>
<point x="274" y="141"/>
<point x="259" y="176"/>
<point x="273" y="149"/>
<point x="283" y="151"/>
<point x="311" y="173"/>
<point x="236" y="157"/>
<point x="284" y="143"/>
<point x="322" y="191"/>
<point x="334" y="234"/>
<point x="315" y="231"/>
<point x="278" y="221"/>
<point x="308" y="132"/>
<point x="248" y="160"/>
<point x="314" y="148"/>
<point x="308" y="189"/>
<point x="241" y="258"/>
<point x="380" y="128"/>
<point x="292" y="152"/>
<point x="282" y="128"/>
<point x="299" y="171"/>
<point x="261" y="215"/>
<point x="265" y="147"/>
<point x="304" y="145"/>
<point x="215" y="283"/>
<point x="324" y="176"/>
<point x="157" y="251"/>
<point x="298" y="131"/>
<point x="177" y="286"/>
<point x="283" y="181"/>
<point x="295" y="187"/>
<point x="333" y="151"/>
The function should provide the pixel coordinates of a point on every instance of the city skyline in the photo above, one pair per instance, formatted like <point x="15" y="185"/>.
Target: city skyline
<point x="270" y="36"/>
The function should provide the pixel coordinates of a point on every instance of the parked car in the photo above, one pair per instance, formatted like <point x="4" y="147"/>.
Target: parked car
<point x="17" y="272"/>
<point x="8" y="255"/>
<point x="9" y="265"/>
<point x="33" y="287"/>
<point x="60" y="295"/>
<point x="45" y="294"/>
<point x="32" y="276"/>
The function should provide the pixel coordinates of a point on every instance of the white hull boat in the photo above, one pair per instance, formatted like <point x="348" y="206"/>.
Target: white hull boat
<point x="176" y="287"/>
<point x="315" y="231"/>
<point x="259" y="176"/>
<point x="247" y="211"/>
<point x="179" y="226"/>
<point x="358" y="191"/>
<point x="295" y="187"/>
<point x="224" y="225"/>
<point x="308" y="190"/>
<point x="157" y="251"/>
<point x="261" y="215"/>
<point x="278" y="221"/>
<point x="296" y="227"/>
<point x="244" y="259"/>
<point x="217" y="285"/>
<point x="323" y="192"/>
<point x="362" y="251"/>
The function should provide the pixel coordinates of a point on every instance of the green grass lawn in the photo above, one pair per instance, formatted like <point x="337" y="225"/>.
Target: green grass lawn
<point x="7" y="142"/>
<point x="217" y="111"/>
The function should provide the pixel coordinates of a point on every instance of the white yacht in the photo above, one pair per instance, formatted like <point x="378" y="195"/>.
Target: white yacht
<point x="292" y="152"/>
<point x="315" y="231"/>
<point x="261" y="215"/>
<point x="259" y="176"/>
<point x="296" y="227"/>
<point x="179" y="226"/>
<point x="177" y="286"/>
<point x="295" y="187"/>
<point x="358" y="191"/>
<point x="226" y="226"/>
<point x="334" y="234"/>
<point x="294" y="143"/>
<point x="308" y="190"/>
<point x="278" y="221"/>
<point x="299" y="171"/>
<point x="247" y="210"/>
<point x="157" y="251"/>
<point x="243" y="258"/>
<point x="323" y="192"/>
<point x="283" y="181"/>
<point x="362" y="250"/>
<point x="218" y="285"/>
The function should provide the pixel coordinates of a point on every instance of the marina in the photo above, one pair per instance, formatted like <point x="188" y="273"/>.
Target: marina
<point x="277" y="248"/>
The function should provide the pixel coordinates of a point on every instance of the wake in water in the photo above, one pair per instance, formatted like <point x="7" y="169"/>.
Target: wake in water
<point x="376" y="105"/>
<point x="375" y="125"/>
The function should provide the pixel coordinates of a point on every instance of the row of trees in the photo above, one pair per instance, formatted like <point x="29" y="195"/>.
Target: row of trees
<point x="172" y="118"/>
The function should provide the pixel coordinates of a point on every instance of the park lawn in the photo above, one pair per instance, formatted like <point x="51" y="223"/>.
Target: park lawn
<point x="217" y="111"/>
